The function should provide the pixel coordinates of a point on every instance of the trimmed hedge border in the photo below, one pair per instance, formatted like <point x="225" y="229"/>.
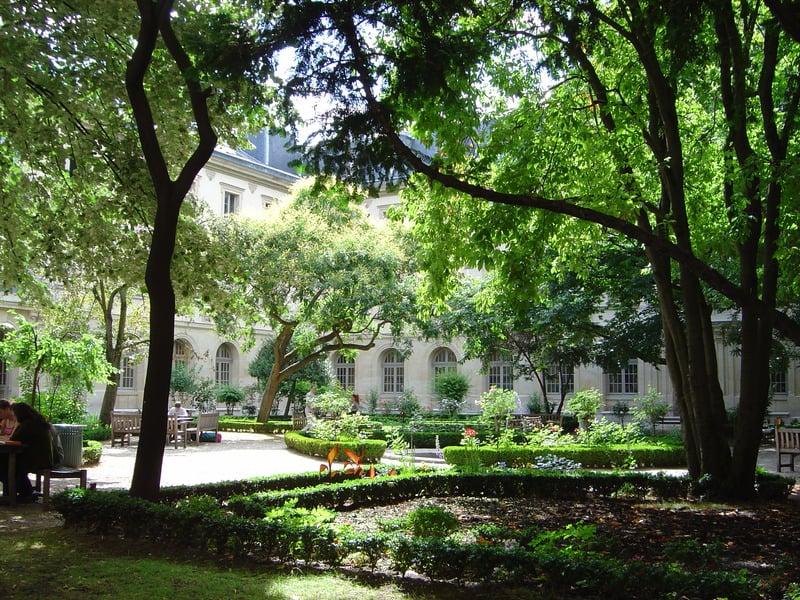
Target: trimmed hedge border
<point x="595" y="457"/>
<point x="233" y="527"/>
<point x="247" y="425"/>
<point x="373" y="449"/>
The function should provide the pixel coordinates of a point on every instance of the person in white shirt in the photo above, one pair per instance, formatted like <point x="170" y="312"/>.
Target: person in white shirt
<point x="178" y="411"/>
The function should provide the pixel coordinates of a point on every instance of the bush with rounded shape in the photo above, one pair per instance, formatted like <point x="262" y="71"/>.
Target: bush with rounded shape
<point x="585" y="404"/>
<point x="452" y="388"/>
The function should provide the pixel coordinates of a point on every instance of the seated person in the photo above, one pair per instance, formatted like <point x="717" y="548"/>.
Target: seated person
<point x="8" y="422"/>
<point x="34" y="431"/>
<point x="178" y="411"/>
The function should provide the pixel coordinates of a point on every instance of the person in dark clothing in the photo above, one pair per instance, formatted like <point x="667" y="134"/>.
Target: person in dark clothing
<point x="34" y="432"/>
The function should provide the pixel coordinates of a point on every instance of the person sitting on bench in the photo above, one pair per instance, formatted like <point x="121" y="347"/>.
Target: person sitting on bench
<point x="33" y="431"/>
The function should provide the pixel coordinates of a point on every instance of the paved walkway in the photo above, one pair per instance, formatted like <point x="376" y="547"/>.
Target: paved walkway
<point x="245" y="455"/>
<point x="237" y="456"/>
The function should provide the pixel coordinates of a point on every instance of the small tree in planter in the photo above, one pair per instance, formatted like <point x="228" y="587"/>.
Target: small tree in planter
<point x="452" y="388"/>
<point x="584" y="405"/>
<point x="230" y="395"/>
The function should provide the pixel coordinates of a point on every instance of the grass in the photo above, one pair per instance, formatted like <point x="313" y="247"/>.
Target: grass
<point x="55" y="563"/>
<point x="63" y="564"/>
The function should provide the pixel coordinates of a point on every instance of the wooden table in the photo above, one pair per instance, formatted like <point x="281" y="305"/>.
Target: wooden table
<point x="11" y="450"/>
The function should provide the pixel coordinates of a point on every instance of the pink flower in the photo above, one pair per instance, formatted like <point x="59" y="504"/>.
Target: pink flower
<point x="469" y="432"/>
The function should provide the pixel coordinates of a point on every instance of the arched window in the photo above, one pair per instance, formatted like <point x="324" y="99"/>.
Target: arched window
<point x="444" y="360"/>
<point x="500" y="373"/>
<point x="223" y="365"/>
<point x="393" y="372"/>
<point x="181" y="353"/>
<point x="346" y="372"/>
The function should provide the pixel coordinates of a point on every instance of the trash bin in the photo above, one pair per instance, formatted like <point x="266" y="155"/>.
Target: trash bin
<point x="71" y="437"/>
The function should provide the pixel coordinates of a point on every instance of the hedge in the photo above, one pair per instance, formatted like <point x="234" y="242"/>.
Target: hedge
<point x="373" y="449"/>
<point x="249" y="425"/>
<point x="235" y="528"/>
<point x="597" y="457"/>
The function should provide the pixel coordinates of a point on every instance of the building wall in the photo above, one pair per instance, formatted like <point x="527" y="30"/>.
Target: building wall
<point x="259" y="185"/>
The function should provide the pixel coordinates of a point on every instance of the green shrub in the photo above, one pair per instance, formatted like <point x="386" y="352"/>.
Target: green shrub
<point x="95" y="430"/>
<point x="92" y="451"/>
<point x="250" y="425"/>
<point x="431" y="521"/>
<point x="585" y="404"/>
<point x="597" y="457"/>
<point x="373" y="449"/>
<point x="452" y="388"/>
<point x="497" y="405"/>
<point x="650" y="410"/>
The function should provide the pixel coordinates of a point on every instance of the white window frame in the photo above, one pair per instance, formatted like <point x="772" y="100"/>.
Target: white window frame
<point x="500" y="374"/>
<point x="127" y="374"/>
<point x="181" y="353"/>
<point x="223" y="365"/>
<point x="393" y="372"/>
<point x="345" y="372"/>
<point x="624" y="382"/>
<point x="231" y="201"/>
<point x="444" y="361"/>
<point x="778" y="381"/>
<point x="553" y="383"/>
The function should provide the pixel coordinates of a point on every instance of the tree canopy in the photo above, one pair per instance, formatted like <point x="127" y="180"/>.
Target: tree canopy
<point x="675" y="125"/>
<point x="320" y="274"/>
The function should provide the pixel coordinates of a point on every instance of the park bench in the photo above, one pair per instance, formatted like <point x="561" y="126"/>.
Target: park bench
<point x="787" y="443"/>
<point x="124" y="424"/>
<point x="207" y="423"/>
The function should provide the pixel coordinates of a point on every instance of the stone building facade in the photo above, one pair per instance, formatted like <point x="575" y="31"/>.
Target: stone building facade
<point x="248" y="182"/>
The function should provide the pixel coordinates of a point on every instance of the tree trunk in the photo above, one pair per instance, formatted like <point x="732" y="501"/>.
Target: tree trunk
<point x="113" y="344"/>
<point x="155" y="20"/>
<point x="274" y="381"/>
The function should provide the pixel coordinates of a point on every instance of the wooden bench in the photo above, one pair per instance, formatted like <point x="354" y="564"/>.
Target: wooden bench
<point x="124" y="424"/>
<point x="43" y="477"/>
<point x="787" y="443"/>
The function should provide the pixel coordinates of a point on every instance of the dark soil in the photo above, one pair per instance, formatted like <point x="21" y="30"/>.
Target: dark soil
<point x="760" y="538"/>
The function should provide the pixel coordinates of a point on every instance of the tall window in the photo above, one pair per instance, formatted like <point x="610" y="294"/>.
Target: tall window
<point x="223" y="365"/>
<point x="230" y="202"/>
<point x="393" y="372"/>
<point x="625" y="381"/>
<point x="181" y="351"/>
<point x="346" y="372"/>
<point x="127" y="376"/>
<point x="554" y="383"/>
<point x="777" y="381"/>
<point x="444" y="361"/>
<point x="500" y="373"/>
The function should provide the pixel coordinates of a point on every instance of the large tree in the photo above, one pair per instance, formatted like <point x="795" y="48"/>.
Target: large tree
<point x="321" y="274"/>
<point x="123" y="94"/>
<point x="604" y="315"/>
<point x="674" y="124"/>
